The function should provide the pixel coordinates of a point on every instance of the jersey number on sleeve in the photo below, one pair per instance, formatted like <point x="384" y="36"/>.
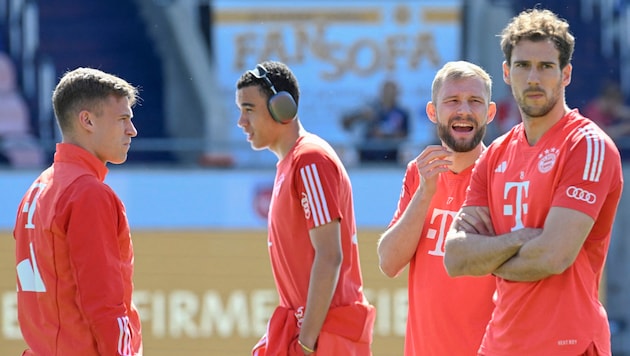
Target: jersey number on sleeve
<point x="28" y="274"/>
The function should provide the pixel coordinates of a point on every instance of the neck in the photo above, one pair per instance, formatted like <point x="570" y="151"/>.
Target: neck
<point x="536" y="127"/>
<point x="463" y="160"/>
<point x="287" y="138"/>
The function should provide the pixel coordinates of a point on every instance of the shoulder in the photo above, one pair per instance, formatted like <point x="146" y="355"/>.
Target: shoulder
<point x="499" y="143"/>
<point x="588" y="145"/>
<point x="311" y="148"/>
<point x="411" y="169"/>
<point x="581" y="130"/>
<point x="88" y="187"/>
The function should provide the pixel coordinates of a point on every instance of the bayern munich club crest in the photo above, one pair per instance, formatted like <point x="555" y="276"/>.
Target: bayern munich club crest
<point x="547" y="160"/>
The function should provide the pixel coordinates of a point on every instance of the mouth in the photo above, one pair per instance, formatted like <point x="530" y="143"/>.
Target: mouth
<point x="462" y="127"/>
<point x="534" y="94"/>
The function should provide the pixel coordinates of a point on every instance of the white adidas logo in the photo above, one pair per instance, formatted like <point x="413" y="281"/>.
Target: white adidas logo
<point x="501" y="167"/>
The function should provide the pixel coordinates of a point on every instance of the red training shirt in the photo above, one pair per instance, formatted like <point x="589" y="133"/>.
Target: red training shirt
<point x="311" y="189"/>
<point x="447" y="316"/>
<point x="75" y="262"/>
<point x="574" y="165"/>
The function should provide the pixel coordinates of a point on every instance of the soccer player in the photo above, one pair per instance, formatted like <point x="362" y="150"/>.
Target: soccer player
<point x="446" y="316"/>
<point x="73" y="245"/>
<point x="312" y="236"/>
<point x="556" y="173"/>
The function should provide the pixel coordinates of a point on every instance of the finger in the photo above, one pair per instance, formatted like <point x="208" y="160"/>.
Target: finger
<point x="480" y="226"/>
<point x="434" y="168"/>
<point x="462" y="225"/>
<point x="432" y="152"/>
<point x="484" y="216"/>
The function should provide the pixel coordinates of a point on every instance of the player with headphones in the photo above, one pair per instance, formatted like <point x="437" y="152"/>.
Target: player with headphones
<point x="311" y="227"/>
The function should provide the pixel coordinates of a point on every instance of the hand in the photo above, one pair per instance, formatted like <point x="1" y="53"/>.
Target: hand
<point x="432" y="161"/>
<point x="477" y="224"/>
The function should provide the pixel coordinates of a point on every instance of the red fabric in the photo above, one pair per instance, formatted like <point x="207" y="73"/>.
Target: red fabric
<point x="441" y="306"/>
<point x="520" y="183"/>
<point x="75" y="262"/>
<point x="311" y="188"/>
<point x="353" y="323"/>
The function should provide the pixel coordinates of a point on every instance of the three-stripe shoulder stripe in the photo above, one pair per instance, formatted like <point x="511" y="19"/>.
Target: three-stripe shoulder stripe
<point x="315" y="194"/>
<point x="595" y="151"/>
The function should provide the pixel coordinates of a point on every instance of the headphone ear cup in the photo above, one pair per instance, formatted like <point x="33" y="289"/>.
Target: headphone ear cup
<point x="282" y="107"/>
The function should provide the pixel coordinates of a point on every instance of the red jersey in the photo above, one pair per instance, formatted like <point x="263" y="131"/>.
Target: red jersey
<point x="311" y="189"/>
<point x="75" y="262"/>
<point x="574" y="165"/>
<point x="447" y="316"/>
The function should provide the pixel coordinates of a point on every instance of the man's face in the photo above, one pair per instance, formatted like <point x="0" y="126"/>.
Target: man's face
<point x="255" y="119"/>
<point x="536" y="78"/>
<point x="112" y="129"/>
<point x="461" y="113"/>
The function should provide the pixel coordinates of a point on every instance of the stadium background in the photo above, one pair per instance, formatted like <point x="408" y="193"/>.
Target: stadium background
<point x="196" y="193"/>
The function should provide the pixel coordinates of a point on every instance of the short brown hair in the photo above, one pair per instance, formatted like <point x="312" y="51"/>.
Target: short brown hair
<point x="86" y="88"/>
<point x="459" y="70"/>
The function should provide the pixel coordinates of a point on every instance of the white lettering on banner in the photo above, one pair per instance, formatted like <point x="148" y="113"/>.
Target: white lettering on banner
<point x="391" y="310"/>
<point x="10" y="326"/>
<point x="181" y="313"/>
<point x="184" y="313"/>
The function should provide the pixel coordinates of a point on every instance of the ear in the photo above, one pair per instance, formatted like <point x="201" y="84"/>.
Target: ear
<point x="506" y="73"/>
<point x="566" y="74"/>
<point x="86" y="120"/>
<point x="431" y="112"/>
<point x="492" y="111"/>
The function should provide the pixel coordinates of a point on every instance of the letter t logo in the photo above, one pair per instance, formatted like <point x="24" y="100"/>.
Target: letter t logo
<point x="519" y="208"/>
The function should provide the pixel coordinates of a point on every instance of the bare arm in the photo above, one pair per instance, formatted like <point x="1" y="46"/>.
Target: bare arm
<point x="326" y="240"/>
<point x="398" y="244"/>
<point x="553" y="251"/>
<point x="471" y="250"/>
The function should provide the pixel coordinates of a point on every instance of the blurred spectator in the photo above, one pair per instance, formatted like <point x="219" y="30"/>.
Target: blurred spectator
<point x="609" y="111"/>
<point x="382" y="126"/>
<point x="18" y="147"/>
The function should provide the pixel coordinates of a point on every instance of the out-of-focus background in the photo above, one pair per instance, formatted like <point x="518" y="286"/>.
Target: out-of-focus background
<point x="195" y="192"/>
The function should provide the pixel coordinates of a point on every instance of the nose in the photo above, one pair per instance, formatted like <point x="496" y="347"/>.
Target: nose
<point x="131" y="130"/>
<point x="464" y="108"/>
<point x="242" y="121"/>
<point x="533" y="76"/>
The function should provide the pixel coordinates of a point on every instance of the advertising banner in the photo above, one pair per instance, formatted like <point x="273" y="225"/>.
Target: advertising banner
<point x="341" y="52"/>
